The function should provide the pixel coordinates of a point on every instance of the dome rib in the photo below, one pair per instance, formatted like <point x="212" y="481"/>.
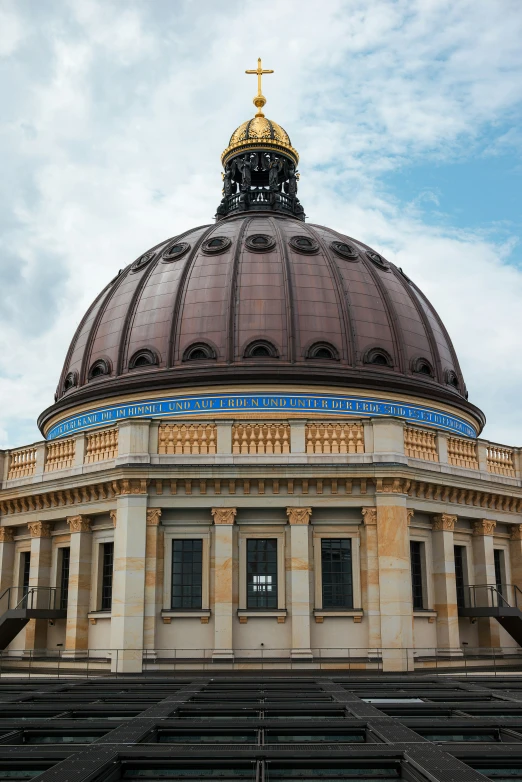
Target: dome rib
<point x="343" y="302"/>
<point x="232" y="299"/>
<point x="289" y="295"/>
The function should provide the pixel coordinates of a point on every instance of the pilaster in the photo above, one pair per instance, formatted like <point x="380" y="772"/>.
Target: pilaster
<point x="133" y="441"/>
<point x="484" y="564"/>
<point x="297" y="435"/>
<point x="39" y="576"/>
<point x="515" y="556"/>
<point x="6" y="561"/>
<point x="370" y="577"/>
<point x="223" y="581"/>
<point x="224" y="436"/>
<point x="444" y="584"/>
<point x="77" y="626"/>
<point x="154" y="564"/>
<point x="128" y="590"/>
<point x="299" y="604"/>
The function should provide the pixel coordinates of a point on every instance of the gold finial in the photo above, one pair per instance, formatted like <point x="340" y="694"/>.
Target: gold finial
<point x="259" y="100"/>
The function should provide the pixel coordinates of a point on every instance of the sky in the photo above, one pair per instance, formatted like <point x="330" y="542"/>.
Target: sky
<point x="406" y="114"/>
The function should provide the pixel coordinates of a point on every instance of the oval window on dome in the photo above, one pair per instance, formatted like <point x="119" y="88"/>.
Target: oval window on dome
<point x="71" y="381"/>
<point x="142" y="261"/>
<point x="378" y="357"/>
<point x="378" y="260"/>
<point x="260" y="348"/>
<point x="345" y="250"/>
<point x="144" y="358"/>
<point x="200" y="351"/>
<point x="323" y="351"/>
<point x="260" y="242"/>
<point x="217" y="244"/>
<point x="304" y="244"/>
<point x="452" y="379"/>
<point x="100" y="368"/>
<point x="175" y="251"/>
<point x="422" y="366"/>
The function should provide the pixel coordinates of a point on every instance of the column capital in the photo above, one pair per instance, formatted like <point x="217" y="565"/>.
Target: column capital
<point x="444" y="522"/>
<point x="484" y="527"/>
<point x="39" y="529"/>
<point x="153" y="517"/>
<point x="6" y="535"/>
<point x="515" y="532"/>
<point x="114" y="517"/>
<point x="132" y="486"/>
<point x="79" y="523"/>
<point x="369" y="516"/>
<point x="298" y="515"/>
<point x="224" y="515"/>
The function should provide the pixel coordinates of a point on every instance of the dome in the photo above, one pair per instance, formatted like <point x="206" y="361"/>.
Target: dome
<point x="259" y="133"/>
<point x="257" y="299"/>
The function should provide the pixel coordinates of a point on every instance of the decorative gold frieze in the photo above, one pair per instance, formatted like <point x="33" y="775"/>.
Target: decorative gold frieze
<point x="444" y="522"/>
<point x="39" y="529"/>
<point x="79" y="523"/>
<point x="101" y="445"/>
<point x="334" y="437"/>
<point x="261" y="438"/>
<point x="153" y="517"/>
<point x="369" y="516"/>
<point x="224" y="515"/>
<point x="6" y="535"/>
<point x="298" y="515"/>
<point x="420" y="444"/>
<point x="484" y="527"/>
<point x="188" y="439"/>
<point x="22" y="463"/>
<point x="59" y="455"/>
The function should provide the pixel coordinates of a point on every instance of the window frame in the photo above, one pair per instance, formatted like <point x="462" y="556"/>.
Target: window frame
<point x="185" y="563"/>
<point x="189" y="533"/>
<point x="262" y="534"/>
<point x="423" y="536"/>
<point x="99" y="538"/>
<point x="354" y="536"/>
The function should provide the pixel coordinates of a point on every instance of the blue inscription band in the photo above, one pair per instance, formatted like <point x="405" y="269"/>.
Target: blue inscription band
<point x="179" y="406"/>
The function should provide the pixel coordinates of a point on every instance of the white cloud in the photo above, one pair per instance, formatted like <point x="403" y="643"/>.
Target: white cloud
<point x="11" y="32"/>
<point x="117" y="116"/>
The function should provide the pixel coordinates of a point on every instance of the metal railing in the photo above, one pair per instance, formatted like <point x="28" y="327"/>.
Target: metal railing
<point x="39" y="597"/>
<point x="492" y="596"/>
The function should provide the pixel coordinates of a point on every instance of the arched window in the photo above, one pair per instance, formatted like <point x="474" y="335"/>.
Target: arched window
<point x="452" y="379"/>
<point x="99" y="368"/>
<point x="199" y="352"/>
<point x="71" y="381"/>
<point x="143" y="358"/>
<point x="378" y="357"/>
<point x="260" y="349"/>
<point x="323" y="350"/>
<point x="423" y="367"/>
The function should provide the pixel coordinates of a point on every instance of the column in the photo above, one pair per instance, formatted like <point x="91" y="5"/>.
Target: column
<point x="128" y="586"/>
<point x="299" y="519"/>
<point x="515" y="556"/>
<point x="223" y="581"/>
<point x="77" y="626"/>
<point x="395" y="601"/>
<point x="484" y="566"/>
<point x="444" y="584"/>
<point x="154" y="563"/>
<point x="370" y="577"/>
<point x="39" y="576"/>
<point x="6" y="563"/>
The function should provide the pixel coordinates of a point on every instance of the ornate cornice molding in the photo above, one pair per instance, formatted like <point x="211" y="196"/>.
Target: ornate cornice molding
<point x="444" y="522"/>
<point x="133" y="487"/>
<point x="153" y="517"/>
<point x="369" y="516"/>
<point x="298" y="515"/>
<point x="484" y="527"/>
<point x="224" y="515"/>
<point x="79" y="523"/>
<point x="6" y="535"/>
<point x="392" y="486"/>
<point x="39" y="529"/>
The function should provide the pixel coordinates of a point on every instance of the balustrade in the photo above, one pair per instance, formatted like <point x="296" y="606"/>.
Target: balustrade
<point x="500" y="460"/>
<point x="334" y="437"/>
<point x="420" y="444"/>
<point x="187" y="439"/>
<point x="22" y="463"/>
<point x="463" y="453"/>
<point x="59" y="455"/>
<point x="261" y="438"/>
<point x="101" y="445"/>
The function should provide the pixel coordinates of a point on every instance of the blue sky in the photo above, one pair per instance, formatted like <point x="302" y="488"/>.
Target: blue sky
<point x="406" y="114"/>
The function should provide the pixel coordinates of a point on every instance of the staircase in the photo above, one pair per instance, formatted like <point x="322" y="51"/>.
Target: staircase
<point x="19" y="605"/>
<point x="500" y="601"/>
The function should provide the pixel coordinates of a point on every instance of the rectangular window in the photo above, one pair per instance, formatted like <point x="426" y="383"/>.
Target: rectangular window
<point x="460" y="580"/>
<point x="336" y="566"/>
<point x="262" y="573"/>
<point x="64" y="578"/>
<point x="187" y="565"/>
<point x="416" y="574"/>
<point x="26" y="569"/>
<point x="106" y="580"/>
<point x="498" y="556"/>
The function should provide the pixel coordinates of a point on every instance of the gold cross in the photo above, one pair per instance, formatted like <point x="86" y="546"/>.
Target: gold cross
<point x="259" y="100"/>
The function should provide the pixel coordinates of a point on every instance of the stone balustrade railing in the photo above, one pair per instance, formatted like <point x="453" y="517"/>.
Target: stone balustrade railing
<point x="243" y="438"/>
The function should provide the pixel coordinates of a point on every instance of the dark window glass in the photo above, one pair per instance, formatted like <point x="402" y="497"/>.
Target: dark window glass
<point x="64" y="578"/>
<point x="262" y="573"/>
<point x="26" y="568"/>
<point x="260" y="350"/>
<point x="106" y="591"/>
<point x="215" y="243"/>
<point x="497" y="554"/>
<point x="379" y="359"/>
<point x="187" y="563"/>
<point x="459" y="575"/>
<point x="336" y="564"/>
<point x="416" y="574"/>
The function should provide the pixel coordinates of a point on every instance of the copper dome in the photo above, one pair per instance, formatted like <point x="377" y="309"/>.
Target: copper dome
<point x="258" y="299"/>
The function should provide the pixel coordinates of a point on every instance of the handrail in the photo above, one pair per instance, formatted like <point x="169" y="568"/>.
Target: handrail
<point x="492" y="596"/>
<point x="32" y="597"/>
